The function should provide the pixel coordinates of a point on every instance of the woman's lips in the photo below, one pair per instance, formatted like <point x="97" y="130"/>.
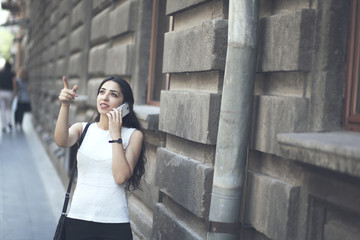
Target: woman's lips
<point x="103" y="105"/>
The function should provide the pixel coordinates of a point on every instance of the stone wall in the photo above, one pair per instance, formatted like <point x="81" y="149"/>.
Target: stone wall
<point x="298" y="92"/>
<point x="189" y="114"/>
<point x="301" y="182"/>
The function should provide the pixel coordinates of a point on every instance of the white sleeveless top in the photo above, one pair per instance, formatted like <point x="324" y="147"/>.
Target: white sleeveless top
<point x="97" y="197"/>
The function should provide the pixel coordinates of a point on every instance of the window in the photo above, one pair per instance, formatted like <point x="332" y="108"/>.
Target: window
<point x="352" y="86"/>
<point x="157" y="80"/>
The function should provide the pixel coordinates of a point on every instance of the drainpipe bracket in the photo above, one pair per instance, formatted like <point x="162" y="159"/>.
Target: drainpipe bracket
<point x="222" y="227"/>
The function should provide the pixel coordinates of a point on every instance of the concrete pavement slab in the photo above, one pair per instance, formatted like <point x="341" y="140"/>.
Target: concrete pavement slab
<point x="31" y="193"/>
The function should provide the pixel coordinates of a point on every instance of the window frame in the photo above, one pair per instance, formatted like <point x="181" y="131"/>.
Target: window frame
<point x="153" y="53"/>
<point x="351" y="116"/>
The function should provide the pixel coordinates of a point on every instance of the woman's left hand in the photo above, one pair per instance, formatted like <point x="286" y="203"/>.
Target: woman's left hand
<point x="115" y="123"/>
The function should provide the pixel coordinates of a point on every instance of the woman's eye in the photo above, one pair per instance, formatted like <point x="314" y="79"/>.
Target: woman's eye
<point x="114" y="94"/>
<point x="101" y="92"/>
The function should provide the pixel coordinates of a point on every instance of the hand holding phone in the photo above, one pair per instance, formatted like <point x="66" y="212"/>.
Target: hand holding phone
<point x="124" y="109"/>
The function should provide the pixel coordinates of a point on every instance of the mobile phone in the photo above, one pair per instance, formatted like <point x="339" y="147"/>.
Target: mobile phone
<point x="124" y="109"/>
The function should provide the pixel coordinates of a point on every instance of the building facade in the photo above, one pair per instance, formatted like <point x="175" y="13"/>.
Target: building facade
<point x="303" y="163"/>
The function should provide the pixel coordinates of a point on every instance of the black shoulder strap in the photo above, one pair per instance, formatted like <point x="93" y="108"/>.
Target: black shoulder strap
<point x="67" y="195"/>
<point x="83" y="134"/>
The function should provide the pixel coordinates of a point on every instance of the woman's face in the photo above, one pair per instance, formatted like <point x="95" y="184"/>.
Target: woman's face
<point x="109" y="97"/>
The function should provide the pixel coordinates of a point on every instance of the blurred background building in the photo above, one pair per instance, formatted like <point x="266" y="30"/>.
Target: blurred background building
<point x="300" y="175"/>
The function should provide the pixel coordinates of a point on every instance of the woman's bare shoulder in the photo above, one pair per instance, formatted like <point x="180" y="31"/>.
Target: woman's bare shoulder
<point x="76" y="128"/>
<point x="137" y="135"/>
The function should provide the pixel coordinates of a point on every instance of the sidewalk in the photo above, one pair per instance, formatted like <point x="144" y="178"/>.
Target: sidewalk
<point x="31" y="193"/>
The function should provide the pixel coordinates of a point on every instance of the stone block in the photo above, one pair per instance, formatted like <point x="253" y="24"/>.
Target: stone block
<point x="167" y="225"/>
<point x="44" y="55"/>
<point x="148" y="116"/>
<point x="154" y="139"/>
<point x="77" y="39"/>
<point x="119" y="60"/>
<point x="99" y="27"/>
<point x="60" y="67"/>
<point x="46" y="40"/>
<point x="276" y="114"/>
<point x="271" y="206"/>
<point x="186" y="181"/>
<point x="78" y="14"/>
<point x="74" y="2"/>
<point x="97" y="59"/>
<point x="62" y="28"/>
<point x="336" y="232"/>
<point x="190" y="115"/>
<point x="99" y="5"/>
<point x="333" y="221"/>
<point x="198" y="48"/>
<point x="340" y="224"/>
<point x="92" y="88"/>
<point x="327" y="75"/>
<point x="62" y="47"/>
<point x="286" y="41"/>
<point x="51" y="52"/>
<point x="149" y="193"/>
<point x="43" y="70"/>
<point x="123" y="14"/>
<point x="204" y="12"/>
<point x="173" y="6"/>
<point x="210" y="81"/>
<point x="141" y="217"/>
<point x="203" y="153"/>
<point x="76" y="65"/>
<point x="53" y="18"/>
<point x="53" y="36"/>
<point x="64" y="7"/>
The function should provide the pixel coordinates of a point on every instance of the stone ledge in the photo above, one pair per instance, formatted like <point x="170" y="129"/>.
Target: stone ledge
<point x="337" y="151"/>
<point x="148" y="116"/>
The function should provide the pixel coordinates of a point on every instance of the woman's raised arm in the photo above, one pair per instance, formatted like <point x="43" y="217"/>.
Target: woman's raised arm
<point x="65" y="136"/>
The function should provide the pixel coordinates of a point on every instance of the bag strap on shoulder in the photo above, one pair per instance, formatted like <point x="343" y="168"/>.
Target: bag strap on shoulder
<point x="83" y="134"/>
<point x="67" y="195"/>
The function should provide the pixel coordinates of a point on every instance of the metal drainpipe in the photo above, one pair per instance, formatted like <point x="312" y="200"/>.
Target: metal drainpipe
<point x="234" y="123"/>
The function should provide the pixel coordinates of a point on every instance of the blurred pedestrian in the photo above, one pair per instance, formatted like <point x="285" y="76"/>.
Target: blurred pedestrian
<point x="7" y="81"/>
<point x="110" y="161"/>
<point x="21" y="89"/>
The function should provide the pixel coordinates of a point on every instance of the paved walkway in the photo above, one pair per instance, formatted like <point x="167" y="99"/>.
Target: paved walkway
<point x="31" y="193"/>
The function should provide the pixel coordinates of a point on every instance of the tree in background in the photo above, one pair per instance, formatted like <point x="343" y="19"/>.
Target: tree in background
<point x="6" y="38"/>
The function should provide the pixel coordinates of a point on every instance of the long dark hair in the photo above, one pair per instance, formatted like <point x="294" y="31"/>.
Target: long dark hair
<point x="129" y="121"/>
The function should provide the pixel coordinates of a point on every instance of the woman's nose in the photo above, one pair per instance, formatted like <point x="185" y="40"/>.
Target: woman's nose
<point x="105" y="96"/>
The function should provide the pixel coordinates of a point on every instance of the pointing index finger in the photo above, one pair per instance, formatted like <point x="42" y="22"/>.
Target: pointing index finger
<point x="66" y="85"/>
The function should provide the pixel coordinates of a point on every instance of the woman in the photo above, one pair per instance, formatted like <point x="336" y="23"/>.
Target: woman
<point x="7" y="80"/>
<point x="110" y="161"/>
<point x="22" y="91"/>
